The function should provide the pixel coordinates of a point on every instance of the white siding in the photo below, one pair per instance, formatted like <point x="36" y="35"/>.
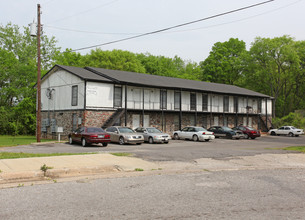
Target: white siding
<point x="269" y="107"/>
<point x="170" y="99"/>
<point x="185" y="100"/>
<point x="199" y="102"/>
<point x="99" y="95"/>
<point x="231" y="104"/>
<point x="61" y="82"/>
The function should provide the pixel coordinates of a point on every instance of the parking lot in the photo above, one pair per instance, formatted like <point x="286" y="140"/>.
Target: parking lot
<point x="178" y="150"/>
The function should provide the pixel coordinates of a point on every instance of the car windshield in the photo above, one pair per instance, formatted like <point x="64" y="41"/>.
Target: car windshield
<point x="95" y="130"/>
<point x="153" y="130"/>
<point x="200" y="129"/>
<point x="226" y="128"/>
<point x="126" y="130"/>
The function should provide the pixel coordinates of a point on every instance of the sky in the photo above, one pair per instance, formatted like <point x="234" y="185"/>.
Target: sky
<point x="76" y="24"/>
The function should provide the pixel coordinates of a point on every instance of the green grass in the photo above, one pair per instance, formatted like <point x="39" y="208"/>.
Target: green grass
<point x="9" y="141"/>
<point x="138" y="169"/>
<point x="10" y="155"/>
<point x="122" y="154"/>
<point x="296" y="148"/>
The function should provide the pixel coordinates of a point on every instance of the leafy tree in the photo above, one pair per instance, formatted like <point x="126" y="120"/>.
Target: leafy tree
<point x="274" y="69"/>
<point x="225" y="62"/>
<point x="115" y="59"/>
<point x="18" y="74"/>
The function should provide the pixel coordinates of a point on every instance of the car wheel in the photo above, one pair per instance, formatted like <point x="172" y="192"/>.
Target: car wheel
<point x="150" y="140"/>
<point x="290" y="134"/>
<point x="121" y="141"/>
<point x="176" y="136"/>
<point x="70" y="140"/>
<point x="105" y="144"/>
<point x="296" y="135"/>
<point x="84" y="142"/>
<point x="207" y="140"/>
<point x="273" y="133"/>
<point x="139" y="143"/>
<point x="253" y="137"/>
<point x="246" y="136"/>
<point x="195" y="138"/>
<point x="166" y="142"/>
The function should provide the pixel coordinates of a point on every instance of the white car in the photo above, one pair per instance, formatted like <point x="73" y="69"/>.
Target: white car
<point x="287" y="130"/>
<point x="194" y="133"/>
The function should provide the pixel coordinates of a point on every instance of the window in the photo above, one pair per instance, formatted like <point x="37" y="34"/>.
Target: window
<point x="235" y="104"/>
<point x="259" y="106"/>
<point x="205" y="121"/>
<point x="117" y="96"/>
<point x="163" y="99"/>
<point x="177" y="99"/>
<point x="193" y="101"/>
<point x="226" y="103"/>
<point x="204" y="102"/>
<point x="74" y="95"/>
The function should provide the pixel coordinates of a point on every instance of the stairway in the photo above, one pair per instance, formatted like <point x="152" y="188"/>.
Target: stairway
<point x="265" y="127"/>
<point x="113" y="118"/>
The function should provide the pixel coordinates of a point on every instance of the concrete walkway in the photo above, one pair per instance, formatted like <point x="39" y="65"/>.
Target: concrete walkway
<point x="12" y="170"/>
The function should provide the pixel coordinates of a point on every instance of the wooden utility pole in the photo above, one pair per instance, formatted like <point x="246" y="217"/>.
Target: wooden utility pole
<point x="38" y="113"/>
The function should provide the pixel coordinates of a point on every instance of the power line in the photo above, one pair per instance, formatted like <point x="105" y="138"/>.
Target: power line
<point x="176" y="26"/>
<point x="86" y="11"/>
<point x="185" y="30"/>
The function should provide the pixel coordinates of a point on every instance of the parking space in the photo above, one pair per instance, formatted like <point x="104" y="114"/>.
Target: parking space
<point x="178" y="150"/>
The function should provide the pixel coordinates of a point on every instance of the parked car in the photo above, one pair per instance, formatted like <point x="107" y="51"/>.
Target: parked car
<point x="224" y="131"/>
<point x="287" y="130"/>
<point x="153" y="135"/>
<point x="194" y="133"/>
<point x="124" y="135"/>
<point x="89" y="135"/>
<point x="248" y="132"/>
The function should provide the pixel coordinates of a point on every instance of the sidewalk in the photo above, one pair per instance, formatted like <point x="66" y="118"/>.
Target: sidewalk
<point x="23" y="169"/>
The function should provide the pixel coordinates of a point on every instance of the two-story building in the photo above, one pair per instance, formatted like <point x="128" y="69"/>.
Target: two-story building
<point x="73" y="96"/>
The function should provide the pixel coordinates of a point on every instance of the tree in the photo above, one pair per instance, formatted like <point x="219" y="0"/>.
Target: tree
<point x="115" y="60"/>
<point x="224" y="64"/>
<point x="274" y="69"/>
<point x="18" y="73"/>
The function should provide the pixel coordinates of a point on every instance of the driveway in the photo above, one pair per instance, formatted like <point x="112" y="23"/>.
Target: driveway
<point x="178" y="150"/>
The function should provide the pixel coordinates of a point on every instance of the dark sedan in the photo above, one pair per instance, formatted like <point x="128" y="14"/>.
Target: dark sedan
<point x="226" y="132"/>
<point x="89" y="135"/>
<point x="248" y="131"/>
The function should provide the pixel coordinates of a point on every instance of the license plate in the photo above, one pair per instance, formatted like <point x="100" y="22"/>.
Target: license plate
<point x="101" y="136"/>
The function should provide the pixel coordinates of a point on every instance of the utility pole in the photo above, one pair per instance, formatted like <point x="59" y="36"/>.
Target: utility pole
<point x="38" y="113"/>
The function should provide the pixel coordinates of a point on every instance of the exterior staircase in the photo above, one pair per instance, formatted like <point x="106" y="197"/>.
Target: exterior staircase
<point x="113" y="118"/>
<point x="265" y="126"/>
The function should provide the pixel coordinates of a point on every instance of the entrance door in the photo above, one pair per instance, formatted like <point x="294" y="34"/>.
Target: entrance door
<point x="146" y="120"/>
<point x="135" y="121"/>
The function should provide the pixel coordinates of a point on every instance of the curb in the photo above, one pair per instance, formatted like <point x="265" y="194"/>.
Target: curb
<point x="55" y="173"/>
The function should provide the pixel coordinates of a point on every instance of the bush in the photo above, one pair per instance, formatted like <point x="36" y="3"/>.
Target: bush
<point x="293" y="119"/>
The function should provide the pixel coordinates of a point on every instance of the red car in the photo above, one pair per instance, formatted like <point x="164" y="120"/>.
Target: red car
<point x="248" y="131"/>
<point x="89" y="135"/>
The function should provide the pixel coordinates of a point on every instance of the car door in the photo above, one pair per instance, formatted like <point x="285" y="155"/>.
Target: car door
<point x="183" y="133"/>
<point x="281" y="130"/>
<point x="78" y="134"/>
<point x="287" y="130"/>
<point x="191" y="131"/>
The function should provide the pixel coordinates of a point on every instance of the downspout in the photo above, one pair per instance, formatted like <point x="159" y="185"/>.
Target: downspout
<point x="180" y="110"/>
<point x="126" y="104"/>
<point x="266" y="114"/>
<point x="247" y="110"/>
<point x="211" y="109"/>
<point x="143" y="107"/>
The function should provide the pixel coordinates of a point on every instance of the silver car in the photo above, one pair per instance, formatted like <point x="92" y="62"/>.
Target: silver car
<point x="124" y="135"/>
<point x="153" y="135"/>
<point x="194" y="133"/>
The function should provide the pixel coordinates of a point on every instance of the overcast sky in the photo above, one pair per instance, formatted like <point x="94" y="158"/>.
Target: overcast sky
<point x="100" y="21"/>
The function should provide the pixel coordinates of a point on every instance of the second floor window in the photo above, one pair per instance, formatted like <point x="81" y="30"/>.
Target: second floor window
<point x="163" y="99"/>
<point x="117" y="96"/>
<point x="204" y="102"/>
<point x="259" y="106"/>
<point x="226" y="103"/>
<point x="74" y="95"/>
<point x="193" y="101"/>
<point x="177" y="100"/>
<point x="235" y="104"/>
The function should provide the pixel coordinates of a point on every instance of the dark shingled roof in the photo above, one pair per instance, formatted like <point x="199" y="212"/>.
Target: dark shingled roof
<point x="140" y="79"/>
<point x="170" y="82"/>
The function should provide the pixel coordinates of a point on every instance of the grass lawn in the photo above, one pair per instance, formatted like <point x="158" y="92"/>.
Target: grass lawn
<point x="10" y="155"/>
<point x="8" y="141"/>
<point x="297" y="148"/>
